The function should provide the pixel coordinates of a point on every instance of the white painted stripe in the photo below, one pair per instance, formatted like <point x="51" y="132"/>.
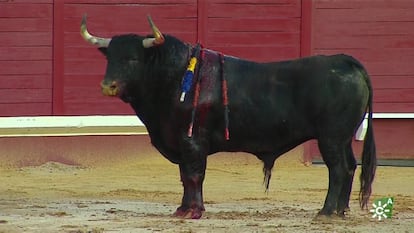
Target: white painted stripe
<point x="113" y="121"/>
<point x="69" y="121"/>
<point x="392" y="116"/>
<point x="71" y="134"/>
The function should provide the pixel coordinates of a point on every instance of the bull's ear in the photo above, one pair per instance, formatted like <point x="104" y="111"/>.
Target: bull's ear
<point x="103" y="50"/>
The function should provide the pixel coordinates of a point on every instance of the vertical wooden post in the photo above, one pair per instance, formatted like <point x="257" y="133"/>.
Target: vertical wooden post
<point x="58" y="58"/>
<point x="202" y="17"/>
<point x="306" y="28"/>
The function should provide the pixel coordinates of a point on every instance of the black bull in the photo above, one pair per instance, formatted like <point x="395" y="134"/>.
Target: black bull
<point x="273" y="107"/>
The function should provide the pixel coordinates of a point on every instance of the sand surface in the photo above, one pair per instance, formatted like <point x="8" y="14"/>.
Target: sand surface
<point x="140" y="195"/>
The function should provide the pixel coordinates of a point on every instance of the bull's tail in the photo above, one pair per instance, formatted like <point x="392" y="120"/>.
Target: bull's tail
<point x="268" y="163"/>
<point x="369" y="158"/>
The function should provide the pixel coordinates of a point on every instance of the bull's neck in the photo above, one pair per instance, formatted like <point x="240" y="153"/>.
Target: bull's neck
<point x="157" y="94"/>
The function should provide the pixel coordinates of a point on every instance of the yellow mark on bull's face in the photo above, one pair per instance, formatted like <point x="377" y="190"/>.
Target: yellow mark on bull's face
<point x="110" y="90"/>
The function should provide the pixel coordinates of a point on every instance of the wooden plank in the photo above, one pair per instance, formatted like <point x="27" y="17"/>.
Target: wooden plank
<point x="139" y="11"/>
<point x="202" y="16"/>
<point x="26" y="57"/>
<point x="364" y="15"/>
<point x="357" y="4"/>
<point x="254" y="10"/>
<point x="364" y="28"/>
<point x="306" y="30"/>
<point x="257" y="2"/>
<point x="92" y="67"/>
<point x="393" y="107"/>
<point x="253" y="25"/>
<point x="9" y="96"/>
<point x="181" y="27"/>
<point x="147" y="2"/>
<point x="83" y="94"/>
<point x="25" y="81"/>
<point x="26" y="24"/>
<point x="84" y="53"/>
<point x="25" y="53"/>
<point x="272" y="39"/>
<point x="27" y="1"/>
<point x="255" y="30"/>
<point x="400" y="144"/>
<point x="401" y="67"/>
<point x="387" y="81"/>
<point x="58" y="58"/>
<point x="25" y="67"/>
<point x="400" y="95"/>
<point x="15" y="39"/>
<point x="25" y="109"/>
<point x="26" y="10"/>
<point x="83" y="80"/>
<point x="131" y="24"/>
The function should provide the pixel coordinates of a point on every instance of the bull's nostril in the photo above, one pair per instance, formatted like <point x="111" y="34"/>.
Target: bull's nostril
<point x="114" y="85"/>
<point x="110" y="89"/>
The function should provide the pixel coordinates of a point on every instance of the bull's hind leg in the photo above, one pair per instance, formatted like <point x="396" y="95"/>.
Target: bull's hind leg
<point x="343" y="202"/>
<point x="333" y="154"/>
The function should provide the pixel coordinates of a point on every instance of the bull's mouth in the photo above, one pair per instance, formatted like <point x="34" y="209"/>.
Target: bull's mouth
<point x="111" y="89"/>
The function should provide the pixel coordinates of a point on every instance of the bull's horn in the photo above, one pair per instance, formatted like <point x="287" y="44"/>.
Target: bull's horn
<point x="97" y="41"/>
<point x="158" y="37"/>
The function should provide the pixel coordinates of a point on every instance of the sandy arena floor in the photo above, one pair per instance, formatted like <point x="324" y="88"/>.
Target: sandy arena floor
<point x="139" y="195"/>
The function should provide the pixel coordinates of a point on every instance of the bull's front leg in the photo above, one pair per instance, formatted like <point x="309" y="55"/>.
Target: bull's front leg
<point x="192" y="177"/>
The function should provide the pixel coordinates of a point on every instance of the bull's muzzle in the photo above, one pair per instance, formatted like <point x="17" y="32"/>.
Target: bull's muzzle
<point x="111" y="89"/>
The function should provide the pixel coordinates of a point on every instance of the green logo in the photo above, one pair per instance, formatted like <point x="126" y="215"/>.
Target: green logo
<point x="382" y="208"/>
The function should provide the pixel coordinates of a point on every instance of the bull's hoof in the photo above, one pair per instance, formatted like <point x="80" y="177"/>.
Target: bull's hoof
<point x="190" y="213"/>
<point x="323" y="217"/>
<point x="325" y="212"/>
<point x="341" y="213"/>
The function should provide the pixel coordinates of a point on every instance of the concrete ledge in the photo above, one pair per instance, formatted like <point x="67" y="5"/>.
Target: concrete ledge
<point x="70" y="126"/>
<point x="90" y="150"/>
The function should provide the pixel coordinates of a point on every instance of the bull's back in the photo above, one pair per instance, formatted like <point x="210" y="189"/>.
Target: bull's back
<point x="273" y="105"/>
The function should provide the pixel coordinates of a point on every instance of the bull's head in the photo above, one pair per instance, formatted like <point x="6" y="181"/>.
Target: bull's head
<point x="125" y="56"/>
